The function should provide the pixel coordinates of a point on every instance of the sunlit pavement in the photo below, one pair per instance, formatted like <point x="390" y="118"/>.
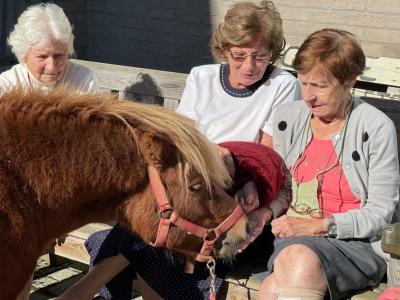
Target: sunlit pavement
<point x="51" y="280"/>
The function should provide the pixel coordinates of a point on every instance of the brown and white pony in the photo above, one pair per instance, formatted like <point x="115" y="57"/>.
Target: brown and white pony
<point x="68" y="159"/>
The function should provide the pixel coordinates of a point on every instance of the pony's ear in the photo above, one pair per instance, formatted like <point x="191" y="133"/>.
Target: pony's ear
<point x="156" y="150"/>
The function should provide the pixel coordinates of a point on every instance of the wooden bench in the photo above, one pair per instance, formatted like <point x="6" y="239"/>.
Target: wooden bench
<point x="381" y="80"/>
<point x="380" y="84"/>
<point x="73" y="248"/>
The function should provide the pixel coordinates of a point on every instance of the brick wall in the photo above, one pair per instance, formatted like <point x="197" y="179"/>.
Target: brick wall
<point x="375" y="22"/>
<point x="11" y="9"/>
<point x="173" y="35"/>
<point x="9" y="12"/>
<point x="76" y="12"/>
<point x="165" y="34"/>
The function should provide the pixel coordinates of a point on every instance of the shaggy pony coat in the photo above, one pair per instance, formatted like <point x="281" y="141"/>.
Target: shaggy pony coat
<point x="68" y="159"/>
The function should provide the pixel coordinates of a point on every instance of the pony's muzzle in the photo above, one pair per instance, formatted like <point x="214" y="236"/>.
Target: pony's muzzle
<point x="234" y="238"/>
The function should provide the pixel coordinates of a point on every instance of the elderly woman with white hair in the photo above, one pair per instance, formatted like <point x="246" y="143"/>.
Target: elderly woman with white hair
<point x="42" y="40"/>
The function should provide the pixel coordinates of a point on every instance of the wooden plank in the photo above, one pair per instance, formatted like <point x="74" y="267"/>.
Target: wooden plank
<point x="382" y="75"/>
<point x="85" y="231"/>
<point x="73" y="248"/>
<point x="171" y="104"/>
<point x="233" y="291"/>
<point x="251" y="273"/>
<point x="137" y="80"/>
<point x="380" y="71"/>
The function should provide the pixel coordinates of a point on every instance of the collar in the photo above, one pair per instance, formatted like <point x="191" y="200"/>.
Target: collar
<point x="245" y="92"/>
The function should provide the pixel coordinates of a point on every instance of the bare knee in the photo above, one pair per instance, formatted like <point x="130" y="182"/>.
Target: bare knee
<point x="298" y="266"/>
<point x="268" y="289"/>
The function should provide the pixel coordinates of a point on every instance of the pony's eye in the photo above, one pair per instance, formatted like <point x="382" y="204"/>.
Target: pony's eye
<point x="195" y="187"/>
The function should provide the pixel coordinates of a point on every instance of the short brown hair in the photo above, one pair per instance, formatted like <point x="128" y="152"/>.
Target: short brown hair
<point x="337" y="50"/>
<point x="243" y="22"/>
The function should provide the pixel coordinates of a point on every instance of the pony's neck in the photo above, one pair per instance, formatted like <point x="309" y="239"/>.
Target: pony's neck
<point x="62" y="177"/>
<point x="97" y="209"/>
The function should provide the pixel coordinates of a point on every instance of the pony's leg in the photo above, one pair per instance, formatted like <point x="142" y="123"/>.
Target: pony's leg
<point x="24" y="294"/>
<point x="146" y="291"/>
<point x="98" y="276"/>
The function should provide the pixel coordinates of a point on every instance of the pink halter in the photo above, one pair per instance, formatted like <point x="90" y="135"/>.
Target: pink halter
<point x="209" y="236"/>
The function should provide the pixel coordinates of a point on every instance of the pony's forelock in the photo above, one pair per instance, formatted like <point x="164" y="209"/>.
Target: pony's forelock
<point x="196" y="151"/>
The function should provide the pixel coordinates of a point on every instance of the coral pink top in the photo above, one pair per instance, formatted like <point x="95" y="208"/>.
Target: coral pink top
<point x="334" y="194"/>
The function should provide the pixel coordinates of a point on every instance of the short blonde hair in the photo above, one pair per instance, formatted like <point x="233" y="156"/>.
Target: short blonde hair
<point x="38" y="25"/>
<point x="336" y="50"/>
<point x="243" y="22"/>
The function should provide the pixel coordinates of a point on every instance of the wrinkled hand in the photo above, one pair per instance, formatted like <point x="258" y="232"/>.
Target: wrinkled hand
<point x="228" y="159"/>
<point x="247" y="197"/>
<point x="257" y="218"/>
<point x="286" y="226"/>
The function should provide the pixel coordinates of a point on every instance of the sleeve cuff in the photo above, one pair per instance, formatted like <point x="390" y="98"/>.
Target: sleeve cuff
<point x="344" y="224"/>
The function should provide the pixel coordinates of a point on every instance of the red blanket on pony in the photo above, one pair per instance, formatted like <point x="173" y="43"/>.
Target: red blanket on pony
<point x="258" y="163"/>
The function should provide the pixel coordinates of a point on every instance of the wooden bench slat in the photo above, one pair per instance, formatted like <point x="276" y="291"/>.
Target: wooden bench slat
<point x="73" y="248"/>
<point x="124" y="78"/>
<point x="85" y="231"/>
<point x="383" y="71"/>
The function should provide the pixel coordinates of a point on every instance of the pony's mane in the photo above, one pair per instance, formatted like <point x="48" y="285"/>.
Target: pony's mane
<point x="197" y="152"/>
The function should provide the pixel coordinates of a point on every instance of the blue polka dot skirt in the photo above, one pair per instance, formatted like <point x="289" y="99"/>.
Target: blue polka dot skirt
<point x="164" y="273"/>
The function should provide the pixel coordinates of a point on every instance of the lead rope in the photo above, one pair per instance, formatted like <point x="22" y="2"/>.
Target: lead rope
<point x="211" y="269"/>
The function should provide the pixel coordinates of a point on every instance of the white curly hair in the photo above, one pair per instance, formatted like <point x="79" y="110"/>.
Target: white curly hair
<point x="37" y="26"/>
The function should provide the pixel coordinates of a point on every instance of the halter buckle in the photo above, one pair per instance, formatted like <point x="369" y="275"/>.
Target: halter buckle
<point x="166" y="213"/>
<point x="211" y="235"/>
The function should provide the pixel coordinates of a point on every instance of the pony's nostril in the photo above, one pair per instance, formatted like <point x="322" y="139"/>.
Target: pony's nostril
<point x="248" y="228"/>
<point x="226" y="243"/>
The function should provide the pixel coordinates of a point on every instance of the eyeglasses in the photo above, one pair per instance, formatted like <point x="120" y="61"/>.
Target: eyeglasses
<point x="240" y="57"/>
<point x="304" y="209"/>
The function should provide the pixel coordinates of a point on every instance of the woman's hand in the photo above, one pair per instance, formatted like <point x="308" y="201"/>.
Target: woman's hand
<point x="286" y="226"/>
<point x="257" y="218"/>
<point x="247" y="197"/>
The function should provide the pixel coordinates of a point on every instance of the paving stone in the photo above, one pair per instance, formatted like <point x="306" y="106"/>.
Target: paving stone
<point x="51" y="281"/>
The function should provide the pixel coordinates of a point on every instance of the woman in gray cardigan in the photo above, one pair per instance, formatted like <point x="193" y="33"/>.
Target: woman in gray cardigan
<point x="341" y="155"/>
